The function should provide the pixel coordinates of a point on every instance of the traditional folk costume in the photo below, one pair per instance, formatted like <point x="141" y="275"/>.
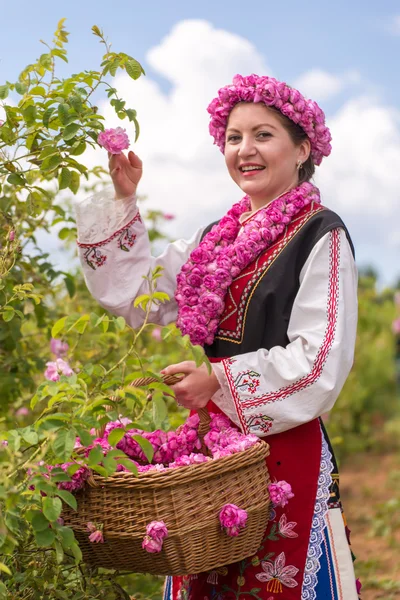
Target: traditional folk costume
<point x="281" y="344"/>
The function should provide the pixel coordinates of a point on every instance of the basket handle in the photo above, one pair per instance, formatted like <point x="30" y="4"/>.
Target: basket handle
<point x="204" y="415"/>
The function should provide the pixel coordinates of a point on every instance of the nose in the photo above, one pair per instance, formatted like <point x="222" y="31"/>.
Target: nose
<point x="247" y="146"/>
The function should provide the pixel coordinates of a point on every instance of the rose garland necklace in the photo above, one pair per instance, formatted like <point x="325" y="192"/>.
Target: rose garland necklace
<point x="222" y="254"/>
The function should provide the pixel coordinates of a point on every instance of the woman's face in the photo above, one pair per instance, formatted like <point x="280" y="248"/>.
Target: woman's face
<point x="260" y="154"/>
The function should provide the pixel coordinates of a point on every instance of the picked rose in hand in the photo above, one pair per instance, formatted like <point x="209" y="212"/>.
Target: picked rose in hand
<point x="114" y="140"/>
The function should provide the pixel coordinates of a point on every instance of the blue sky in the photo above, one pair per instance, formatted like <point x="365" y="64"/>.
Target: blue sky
<point x="332" y="35"/>
<point x="343" y="54"/>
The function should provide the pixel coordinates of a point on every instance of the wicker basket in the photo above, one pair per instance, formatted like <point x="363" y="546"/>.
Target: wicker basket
<point x="188" y="500"/>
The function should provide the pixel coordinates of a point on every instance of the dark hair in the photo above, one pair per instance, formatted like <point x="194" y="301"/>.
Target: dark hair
<point x="298" y="135"/>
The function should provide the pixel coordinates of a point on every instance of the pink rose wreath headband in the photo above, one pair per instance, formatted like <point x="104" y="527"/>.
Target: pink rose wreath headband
<point x="274" y="94"/>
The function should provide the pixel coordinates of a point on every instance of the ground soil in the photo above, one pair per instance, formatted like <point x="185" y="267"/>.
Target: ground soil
<point x="367" y="482"/>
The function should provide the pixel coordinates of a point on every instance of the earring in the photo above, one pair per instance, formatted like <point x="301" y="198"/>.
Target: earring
<point x="299" y="165"/>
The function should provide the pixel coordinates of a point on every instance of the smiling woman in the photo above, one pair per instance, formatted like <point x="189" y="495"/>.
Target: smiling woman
<point x="260" y="153"/>
<point x="270" y="292"/>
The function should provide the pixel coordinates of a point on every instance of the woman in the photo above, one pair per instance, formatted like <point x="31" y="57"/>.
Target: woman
<point x="271" y="293"/>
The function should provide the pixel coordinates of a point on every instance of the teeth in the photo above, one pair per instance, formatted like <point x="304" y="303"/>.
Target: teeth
<point x="251" y="168"/>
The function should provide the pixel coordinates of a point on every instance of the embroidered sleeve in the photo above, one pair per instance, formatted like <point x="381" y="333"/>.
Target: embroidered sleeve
<point x="268" y="392"/>
<point x="114" y="250"/>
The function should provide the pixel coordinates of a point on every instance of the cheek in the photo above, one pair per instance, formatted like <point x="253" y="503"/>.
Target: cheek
<point x="230" y="161"/>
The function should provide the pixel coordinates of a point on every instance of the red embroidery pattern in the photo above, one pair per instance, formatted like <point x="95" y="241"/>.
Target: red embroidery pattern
<point x="237" y="302"/>
<point x="322" y="354"/>
<point x="260" y="423"/>
<point x="126" y="239"/>
<point x="247" y="381"/>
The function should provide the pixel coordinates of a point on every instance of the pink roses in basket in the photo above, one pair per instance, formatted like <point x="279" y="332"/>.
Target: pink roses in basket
<point x="156" y="532"/>
<point x="232" y="519"/>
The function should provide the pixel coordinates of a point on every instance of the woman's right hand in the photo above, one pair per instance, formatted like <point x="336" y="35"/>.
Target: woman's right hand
<point x="125" y="172"/>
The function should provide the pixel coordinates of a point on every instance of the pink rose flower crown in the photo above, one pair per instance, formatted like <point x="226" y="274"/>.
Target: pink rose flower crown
<point x="276" y="94"/>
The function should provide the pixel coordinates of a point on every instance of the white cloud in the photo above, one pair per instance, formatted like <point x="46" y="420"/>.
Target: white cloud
<point x="321" y="85"/>
<point x="185" y="174"/>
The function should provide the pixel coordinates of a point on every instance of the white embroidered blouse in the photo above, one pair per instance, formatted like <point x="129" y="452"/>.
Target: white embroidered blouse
<point x="297" y="383"/>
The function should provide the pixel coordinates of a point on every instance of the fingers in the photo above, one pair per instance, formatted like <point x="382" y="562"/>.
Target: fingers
<point x="186" y="367"/>
<point x="135" y="161"/>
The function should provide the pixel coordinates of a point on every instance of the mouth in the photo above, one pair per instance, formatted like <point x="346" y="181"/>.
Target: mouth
<point x="249" y="169"/>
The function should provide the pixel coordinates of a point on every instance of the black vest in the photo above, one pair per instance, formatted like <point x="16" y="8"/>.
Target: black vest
<point x="263" y="309"/>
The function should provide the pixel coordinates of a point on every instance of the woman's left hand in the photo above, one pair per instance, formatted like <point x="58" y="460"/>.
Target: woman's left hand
<point x="196" y="388"/>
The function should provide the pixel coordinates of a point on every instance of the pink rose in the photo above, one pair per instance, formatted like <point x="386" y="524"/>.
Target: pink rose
<point x="114" y="140"/>
<point x="58" y="347"/>
<point x="232" y="518"/>
<point x="54" y="369"/>
<point x="396" y="326"/>
<point x="151" y="545"/>
<point x="11" y="236"/>
<point x="156" y="334"/>
<point x="157" y="530"/>
<point x="200" y="255"/>
<point x="96" y="536"/>
<point x="280" y="493"/>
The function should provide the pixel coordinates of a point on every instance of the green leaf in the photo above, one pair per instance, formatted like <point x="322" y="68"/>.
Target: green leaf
<point x="52" y="508"/>
<point x="95" y="456"/>
<point x="70" y="131"/>
<point x="9" y="314"/>
<point x="16" y="179"/>
<point x="76" y="551"/>
<point x="64" y="178"/>
<point x="5" y="569"/>
<point x="145" y="446"/>
<point x="58" y="327"/>
<point x="68" y="498"/>
<point x="4" y="89"/>
<point x="78" y="148"/>
<point x="161" y="296"/>
<point x="109" y="464"/>
<point x="20" y="88"/>
<point x="59" y="559"/>
<point x="63" y="113"/>
<point x="159" y="410"/>
<point x="38" y="90"/>
<point x="29" y="435"/>
<point x="120" y="323"/>
<point x="45" y="538"/>
<point x="75" y="182"/>
<point x="67" y="537"/>
<point x="39" y="521"/>
<point x="70" y="285"/>
<point x="128" y="464"/>
<point x="47" y="115"/>
<point x="29" y="115"/>
<point x="133" y="68"/>
<point x="84" y="436"/>
<point x="52" y="162"/>
<point x="141" y="300"/>
<point x="116" y="436"/>
<point x="64" y="443"/>
<point x="81" y="324"/>
<point x="75" y="101"/>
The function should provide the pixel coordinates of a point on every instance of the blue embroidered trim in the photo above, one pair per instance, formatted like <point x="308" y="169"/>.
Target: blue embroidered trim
<point x="318" y="524"/>
<point x="168" y="589"/>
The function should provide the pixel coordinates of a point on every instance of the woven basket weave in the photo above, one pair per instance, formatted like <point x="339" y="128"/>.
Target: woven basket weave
<point x="188" y="500"/>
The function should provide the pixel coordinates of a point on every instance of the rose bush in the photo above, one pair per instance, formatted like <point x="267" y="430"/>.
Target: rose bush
<point x="63" y="361"/>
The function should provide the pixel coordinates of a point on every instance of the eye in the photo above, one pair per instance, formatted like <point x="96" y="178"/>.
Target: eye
<point x="264" y="135"/>
<point x="233" y="138"/>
